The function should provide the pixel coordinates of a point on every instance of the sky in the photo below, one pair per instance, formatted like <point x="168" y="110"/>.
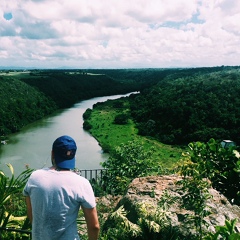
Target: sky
<point x="119" y="33"/>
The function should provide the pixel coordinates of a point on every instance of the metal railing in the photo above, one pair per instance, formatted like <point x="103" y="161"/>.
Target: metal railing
<point x="92" y="174"/>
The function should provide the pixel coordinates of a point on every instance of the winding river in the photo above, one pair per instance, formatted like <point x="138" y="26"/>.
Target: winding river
<point x="32" y="146"/>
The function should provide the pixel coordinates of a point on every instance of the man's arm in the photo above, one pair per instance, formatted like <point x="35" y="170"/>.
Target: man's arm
<point x="29" y="208"/>
<point x="93" y="226"/>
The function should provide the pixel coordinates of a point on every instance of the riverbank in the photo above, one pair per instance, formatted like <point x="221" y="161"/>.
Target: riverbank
<point x="27" y="97"/>
<point x="110" y="135"/>
<point x="32" y="145"/>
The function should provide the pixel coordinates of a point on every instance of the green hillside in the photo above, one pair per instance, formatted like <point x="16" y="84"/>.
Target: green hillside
<point x="183" y="109"/>
<point x="21" y="104"/>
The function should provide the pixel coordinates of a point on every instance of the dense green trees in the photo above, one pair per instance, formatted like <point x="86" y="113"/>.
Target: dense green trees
<point x="21" y="104"/>
<point x="66" y="88"/>
<point x="191" y="108"/>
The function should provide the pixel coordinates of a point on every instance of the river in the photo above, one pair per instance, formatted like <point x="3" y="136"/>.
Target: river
<point x="32" y="145"/>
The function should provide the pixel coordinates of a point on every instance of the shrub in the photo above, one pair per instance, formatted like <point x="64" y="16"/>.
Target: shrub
<point x="127" y="162"/>
<point x="121" y="119"/>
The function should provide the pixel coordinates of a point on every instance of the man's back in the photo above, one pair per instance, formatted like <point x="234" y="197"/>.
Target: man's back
<point x="56" y="197"/>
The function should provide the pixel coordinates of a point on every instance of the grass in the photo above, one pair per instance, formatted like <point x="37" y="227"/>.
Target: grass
<point x="110" y="135"/>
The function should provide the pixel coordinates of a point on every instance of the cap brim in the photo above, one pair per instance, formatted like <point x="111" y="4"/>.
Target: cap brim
<point x="69" y="164"/>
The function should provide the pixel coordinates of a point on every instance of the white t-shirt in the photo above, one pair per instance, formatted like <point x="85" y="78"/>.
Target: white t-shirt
<point x="56" y="197"/>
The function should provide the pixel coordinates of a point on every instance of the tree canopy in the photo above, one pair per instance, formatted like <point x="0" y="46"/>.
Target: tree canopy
<point x="190" y="108"/>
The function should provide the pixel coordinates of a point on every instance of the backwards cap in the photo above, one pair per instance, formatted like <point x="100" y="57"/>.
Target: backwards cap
<point x="64" y="149"/>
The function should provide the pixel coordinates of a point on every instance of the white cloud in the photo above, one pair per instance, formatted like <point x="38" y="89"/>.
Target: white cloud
<point x="232" y="24"/>
<point x="112" y="33"/>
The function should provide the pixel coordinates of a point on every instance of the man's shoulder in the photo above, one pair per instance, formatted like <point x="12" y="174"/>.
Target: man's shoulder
<point x="39" y="172"/>
<point x="78" y="176"/>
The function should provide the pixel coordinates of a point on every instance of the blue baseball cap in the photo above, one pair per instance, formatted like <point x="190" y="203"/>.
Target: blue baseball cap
<point x="64" y="149"/>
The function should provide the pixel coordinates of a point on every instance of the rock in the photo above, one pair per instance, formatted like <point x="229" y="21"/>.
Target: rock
<point x="151" y="190"/>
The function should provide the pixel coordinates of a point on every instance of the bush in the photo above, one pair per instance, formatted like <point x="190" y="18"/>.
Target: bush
<point x="217" y="164"/>
<point x="87" y="125"/>
<point x="87" y="114"/>
<point x="127" y="162"/>
<point x="121" y="119"/>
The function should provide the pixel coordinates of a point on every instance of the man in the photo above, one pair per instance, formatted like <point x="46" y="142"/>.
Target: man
<point x="54" y="196"/>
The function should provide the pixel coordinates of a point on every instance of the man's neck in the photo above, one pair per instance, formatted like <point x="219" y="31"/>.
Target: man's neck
<point x="60" y="169"/>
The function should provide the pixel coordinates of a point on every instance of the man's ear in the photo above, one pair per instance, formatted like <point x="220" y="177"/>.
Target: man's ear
<point x="52" y="158"/>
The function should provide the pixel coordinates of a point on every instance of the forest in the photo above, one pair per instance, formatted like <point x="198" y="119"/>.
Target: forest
<point x="197" y="107"/>
<point x="175" y="106"/>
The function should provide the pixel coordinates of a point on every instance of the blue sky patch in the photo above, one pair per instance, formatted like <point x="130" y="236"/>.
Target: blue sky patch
<point x="177" y="25"/>
<point x="104" y="44"/>
<point x="195" y="19"/>
<point x="8" y="16"/>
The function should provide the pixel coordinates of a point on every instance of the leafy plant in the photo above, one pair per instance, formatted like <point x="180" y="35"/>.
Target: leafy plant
<point x="150" y="222"/>
<point x="120" y="227"/>
<point x="9" y="187"/>
<point x="127" y="162"/>
<point x="194" y="199"/>
<point x="195" y="188"/>
<point x="207" y="162"/>
<point x="217" y="164"/>
<point x="226" y="232"/>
